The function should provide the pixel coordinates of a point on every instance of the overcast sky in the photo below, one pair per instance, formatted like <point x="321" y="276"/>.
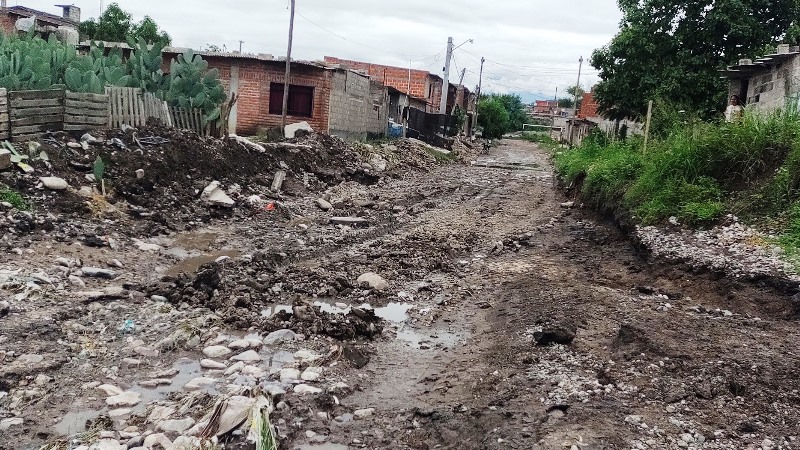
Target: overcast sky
<point x="531" y="46"/>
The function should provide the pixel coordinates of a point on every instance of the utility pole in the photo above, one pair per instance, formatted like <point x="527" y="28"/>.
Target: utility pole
<point x="288" y="70"/>
<point x="446" y="84"/>
<point x="478" y="100"/>
<point x="240" y="46"/>
<point x="577" y="86"/>
<point x="407" y="110"/>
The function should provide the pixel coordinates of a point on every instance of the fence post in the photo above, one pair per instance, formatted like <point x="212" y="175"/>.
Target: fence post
<point x="647" y="124"/>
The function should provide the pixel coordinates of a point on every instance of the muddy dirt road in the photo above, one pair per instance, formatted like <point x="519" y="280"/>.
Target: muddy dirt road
<point x="503" y="318"/>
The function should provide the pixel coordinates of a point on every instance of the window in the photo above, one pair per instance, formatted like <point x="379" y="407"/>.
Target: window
<point x="301" y="100"/>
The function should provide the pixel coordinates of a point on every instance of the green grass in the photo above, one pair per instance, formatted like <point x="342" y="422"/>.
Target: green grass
<point x="13" y="197"/>
<point x="543" y="139"/>
<point x="697" y="172"/>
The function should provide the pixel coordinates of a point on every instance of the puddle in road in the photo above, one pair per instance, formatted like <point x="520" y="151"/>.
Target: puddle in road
<point x="191" y="264"/>
<point x="195" y="240"/>
<point x="74" y="421"/>
<point x="424" y="341"/>
<point x="188" y="370"/>
<point x="323" y="447"/>
<point x="393" y="312"/>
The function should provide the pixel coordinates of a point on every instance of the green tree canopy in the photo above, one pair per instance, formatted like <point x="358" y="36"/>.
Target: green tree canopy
<point x="116" y="25"/>
<point x="672" y="49"/>
<point x="493" y="117"/>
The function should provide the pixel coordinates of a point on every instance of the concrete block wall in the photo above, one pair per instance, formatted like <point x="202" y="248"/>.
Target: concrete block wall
<point x="378" y="116"/>
<point x="772" y="87"/>
<point x="349" y="105"/>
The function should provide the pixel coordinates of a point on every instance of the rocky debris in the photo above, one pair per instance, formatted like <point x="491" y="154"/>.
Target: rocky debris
<point x="128" y="398"/>
<point x="304" y="389"/>
<point x="216" y="351"/>
<point x="96" y="272"/>
<point x="732" y="248"/>
<point x="5" y="159"/>
<point x="550" y="334"/>
<point x="54" y="183"/>
<point x="349" y="221"/>
<point x="310" y="319"/>
<point x="324" y="204"/>
<point x="214" y="195"/>
<point x="373" y="281"/>
<point x="248" y="356"/>
<point x="291" y="130"/>
<point x="211" y="364"/>
<point x="280" y="337"/>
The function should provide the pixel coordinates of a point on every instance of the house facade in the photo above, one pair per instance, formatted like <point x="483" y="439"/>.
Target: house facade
<point x="545" y="107"/>
<point x="332" y="100"/>
<point x="65" y="27"/>
<point x="766" y="83"/>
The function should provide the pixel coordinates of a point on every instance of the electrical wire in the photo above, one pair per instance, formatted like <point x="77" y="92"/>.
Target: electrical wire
<point x="382" y="50"/>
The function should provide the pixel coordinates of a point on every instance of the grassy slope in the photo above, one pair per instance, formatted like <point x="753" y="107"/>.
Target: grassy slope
<point x="698" y="173"/>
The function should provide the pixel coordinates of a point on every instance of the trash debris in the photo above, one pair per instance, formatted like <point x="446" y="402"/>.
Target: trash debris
<point x="214" y="195"/>
<point x="128" y="326"/>
<point x="291" y="130"/>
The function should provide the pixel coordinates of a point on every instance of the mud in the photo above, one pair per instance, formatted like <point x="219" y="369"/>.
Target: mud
<point x="509" y="321"/>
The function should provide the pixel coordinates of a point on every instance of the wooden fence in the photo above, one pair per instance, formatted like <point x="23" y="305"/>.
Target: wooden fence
<point x="132" y="106"/>
<point x="26" y="115"/>
<point x="189" y="119"/>
<point x="5" y="125"/>
<point x="34" y="113"/>
<point x="85" y="111"/>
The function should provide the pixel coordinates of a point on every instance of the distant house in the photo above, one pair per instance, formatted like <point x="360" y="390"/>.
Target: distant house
<point x="65" y="27"/>
<point x="766" y="83"/>
<point x="332" y="100"/>
<point x="545" y="107"/>
<point x="589" y="119"/>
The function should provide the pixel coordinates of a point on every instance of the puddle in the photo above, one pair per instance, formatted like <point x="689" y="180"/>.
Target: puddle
<point x="187" y="371"/>
<point x="393" y="312"/>
<point x="190" y="265"/>
<point x="323" y="447"/>
<point x="420" y="340"/>
<point x="74" y="422"/>
<point x="279" y="359"/>
<point x="195" y="241"/>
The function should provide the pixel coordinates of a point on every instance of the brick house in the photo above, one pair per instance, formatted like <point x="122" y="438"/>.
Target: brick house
<point x="545" y="107"/>
<point x="65" y="26"/>
<point x="332" y="100"/>
<point x="417" y="83"/>
<point x="588" y="106"/>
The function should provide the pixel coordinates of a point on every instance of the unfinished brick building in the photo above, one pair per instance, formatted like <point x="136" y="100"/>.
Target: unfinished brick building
<point x="419" y="83"/>
<point x="333" y="100"/>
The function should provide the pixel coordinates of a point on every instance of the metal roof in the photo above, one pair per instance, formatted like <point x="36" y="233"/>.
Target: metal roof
<point x="41" y="15"/>
<point x="760" y="64"/>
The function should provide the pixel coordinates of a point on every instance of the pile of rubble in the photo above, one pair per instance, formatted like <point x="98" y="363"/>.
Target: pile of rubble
<point x="158" y="180"/>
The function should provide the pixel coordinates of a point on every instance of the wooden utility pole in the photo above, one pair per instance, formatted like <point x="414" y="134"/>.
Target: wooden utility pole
<point x="578" y="85"/>
<point x="407" y="110"/>
<point x="288" y="70"/>
<point x="478" y="100"/>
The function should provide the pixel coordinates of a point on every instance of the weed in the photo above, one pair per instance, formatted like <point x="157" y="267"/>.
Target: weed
<point x="695" y="171"/>
<point x="14" y="198"/>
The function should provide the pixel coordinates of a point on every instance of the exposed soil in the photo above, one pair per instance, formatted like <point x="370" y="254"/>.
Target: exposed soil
<point x="509" y="320"/>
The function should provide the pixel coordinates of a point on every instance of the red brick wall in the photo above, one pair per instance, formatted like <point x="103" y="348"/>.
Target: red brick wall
<point x="397" y="77"/>
<point x="255" y="77"/>
<point x="588" y="106"/>
<point x="7" y="22"/>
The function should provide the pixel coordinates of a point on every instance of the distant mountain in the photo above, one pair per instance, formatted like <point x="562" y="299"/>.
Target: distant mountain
<point x="529" y="97"/>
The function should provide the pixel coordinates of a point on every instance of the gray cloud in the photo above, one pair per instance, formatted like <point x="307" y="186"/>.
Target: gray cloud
<point x="530" y="45"/>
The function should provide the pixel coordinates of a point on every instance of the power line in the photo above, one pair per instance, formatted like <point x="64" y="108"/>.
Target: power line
<point x="382" y="50"/>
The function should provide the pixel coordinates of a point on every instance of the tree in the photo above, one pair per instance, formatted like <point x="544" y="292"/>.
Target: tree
<point x="672" y="49"/>
<point x="493" y="117"/>
<point x="575" y="91"/>
<point x="149" y="31"/>
<point x="515" y="109"/>
<point x="116" y="25"/>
